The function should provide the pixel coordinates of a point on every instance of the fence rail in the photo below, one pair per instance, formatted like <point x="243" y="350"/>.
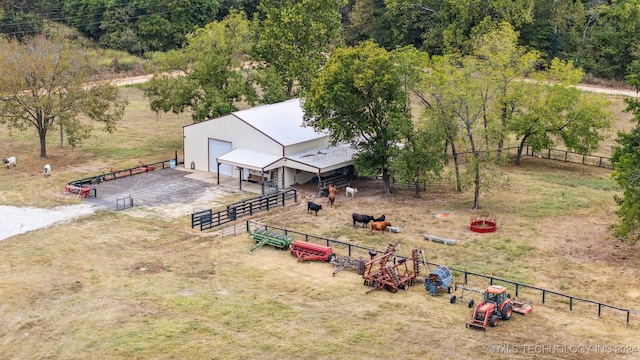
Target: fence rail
<point x="551" y="154"/>
<point x="207" y="219"/>
<point x="116" y="174"/>
<point x="544" y="292"/>
<point x="339" y="181"/>
<point x="492" y="279"/>
<point x="572" y="157"/>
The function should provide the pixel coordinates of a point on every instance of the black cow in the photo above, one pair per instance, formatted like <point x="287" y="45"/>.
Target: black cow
<point x="381" y="218"/>
<point x="311" y="206"/>
<point x="364" y="219"/>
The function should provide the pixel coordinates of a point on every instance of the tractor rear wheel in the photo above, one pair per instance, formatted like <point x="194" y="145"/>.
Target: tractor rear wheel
<point x="507" y="311"/>
<point x="493" y="320"/>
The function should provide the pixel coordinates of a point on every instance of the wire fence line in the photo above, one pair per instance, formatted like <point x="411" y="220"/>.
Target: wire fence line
<point x="546" y="294"/>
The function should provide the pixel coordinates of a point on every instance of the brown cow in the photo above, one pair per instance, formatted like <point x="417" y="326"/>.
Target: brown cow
<point x="380" y="225"/>
<point x="333" y="191"/>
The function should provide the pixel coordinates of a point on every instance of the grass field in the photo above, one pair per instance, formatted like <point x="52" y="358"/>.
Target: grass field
<point x="141" y="284"/>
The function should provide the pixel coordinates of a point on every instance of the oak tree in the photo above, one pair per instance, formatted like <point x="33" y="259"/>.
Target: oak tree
<point x="294" y="39"/>
<point x="556" y="111"/>
<point x="213" y="78"/>
<point x="358" y="98"/>
<point x="626" y="165"/>
<point x="45" y="85"/>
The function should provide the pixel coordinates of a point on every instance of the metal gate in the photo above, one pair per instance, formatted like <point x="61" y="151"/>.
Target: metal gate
<point x="269" y="186"/>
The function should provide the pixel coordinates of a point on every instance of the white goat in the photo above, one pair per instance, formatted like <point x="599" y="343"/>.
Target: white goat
<point x="47" y="171"/>
<point x="10" y="161"/>
<point x="351" y="191"/>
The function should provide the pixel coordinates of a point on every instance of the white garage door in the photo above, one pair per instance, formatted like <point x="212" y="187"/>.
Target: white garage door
<point x="218" y="148"/>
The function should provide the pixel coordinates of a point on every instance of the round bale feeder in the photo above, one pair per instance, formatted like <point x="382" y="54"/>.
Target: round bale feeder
<point x="483" y="223"/>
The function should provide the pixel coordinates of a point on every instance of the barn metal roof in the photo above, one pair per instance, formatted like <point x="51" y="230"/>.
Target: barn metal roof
<point x="282" y="122"/>
<point x="318" y="160"/>
<point x="324" y="159"/>
<point x="251" y="159"/>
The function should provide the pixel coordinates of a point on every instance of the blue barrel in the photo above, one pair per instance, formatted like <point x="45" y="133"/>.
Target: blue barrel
<point x="172" y="164"/>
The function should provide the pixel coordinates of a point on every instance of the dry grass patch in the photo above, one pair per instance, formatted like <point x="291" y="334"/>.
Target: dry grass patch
<point x="140" y="283"/>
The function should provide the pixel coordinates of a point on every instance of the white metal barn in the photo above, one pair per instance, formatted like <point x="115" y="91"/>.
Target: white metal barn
<point x="266" y="143"/>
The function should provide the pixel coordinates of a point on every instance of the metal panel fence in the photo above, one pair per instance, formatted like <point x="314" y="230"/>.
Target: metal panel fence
<point x="207" y="219"/>
<point x="124" y="202"/>
<point x="492" y="279"/>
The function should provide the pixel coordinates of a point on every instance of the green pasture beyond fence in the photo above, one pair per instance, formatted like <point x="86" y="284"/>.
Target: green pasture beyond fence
<point x="553" y="154"/>
<point x="512" y="152"/>
<point x="492" y="279"/>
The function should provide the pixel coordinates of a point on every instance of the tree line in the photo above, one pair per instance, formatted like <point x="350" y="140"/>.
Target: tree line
<point x="600" y="36"/>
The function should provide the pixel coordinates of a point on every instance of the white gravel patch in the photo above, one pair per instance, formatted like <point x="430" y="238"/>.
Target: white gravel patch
<point x="19" y="220"/>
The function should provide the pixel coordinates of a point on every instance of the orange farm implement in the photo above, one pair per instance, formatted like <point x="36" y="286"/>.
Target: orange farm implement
<point x="379" y="273"/>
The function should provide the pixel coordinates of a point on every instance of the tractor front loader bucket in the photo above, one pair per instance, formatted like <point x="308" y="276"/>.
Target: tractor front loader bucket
<point x="476" y="326"/>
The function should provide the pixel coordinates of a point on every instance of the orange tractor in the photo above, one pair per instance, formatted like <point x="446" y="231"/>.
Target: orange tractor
<point x="496" y="304"/>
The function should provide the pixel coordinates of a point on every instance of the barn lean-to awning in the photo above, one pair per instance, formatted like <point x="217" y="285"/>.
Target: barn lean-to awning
<point x="322" y="160"/>
<point x="317" y="161"/>
<point x="252" y="160"/>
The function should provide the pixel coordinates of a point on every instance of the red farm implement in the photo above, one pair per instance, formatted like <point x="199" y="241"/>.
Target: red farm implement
<point x="378" y="273"/>
<point x="82" y="191"/>
<point x="306" y="251"/>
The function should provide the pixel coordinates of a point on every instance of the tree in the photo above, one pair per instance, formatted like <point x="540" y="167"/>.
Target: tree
<point x="293" y="41"/>
<point x="45" y="84"/>
<point x="462" y="21"/>
<point x="156" y="25"/>
<point x="409" y="22"/>
<point x="165" y="24"/>
<point x="555" y="110"/>
<point x="626" y="165"/>
<point x="423" y="152"/>
<point x="213" y="80"/>
<point x="611" y="44"/>
<point x="21" y="25"/>
<point x="368" y="21"/>
<point x="457" y="99"/>
<point x="556" y="28"/>
<point x="422" y="156"/>
<point x="503" y="64"/>
<point x="357" y="97"/>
